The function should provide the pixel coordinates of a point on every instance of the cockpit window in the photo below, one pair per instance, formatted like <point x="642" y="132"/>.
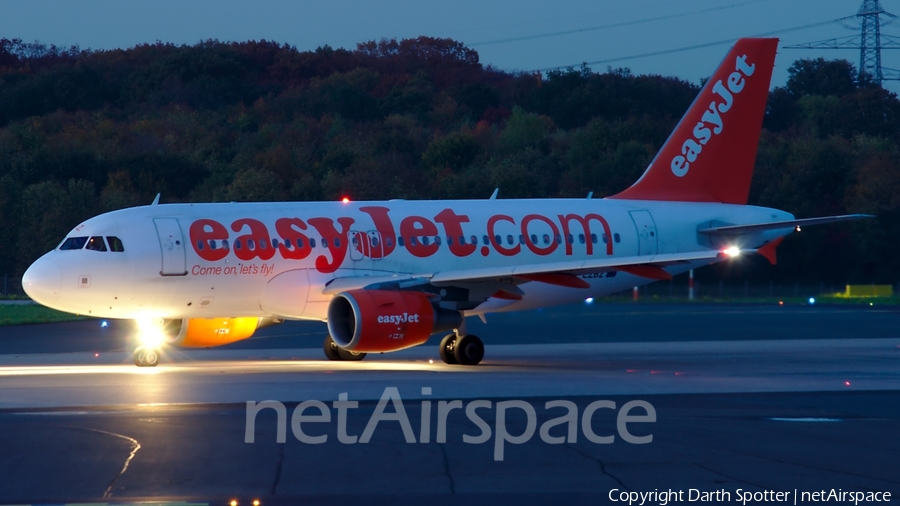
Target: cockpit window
<point x="73" y="243"/>
<point x="115" y="244"/>
<point x="96" y="244"/>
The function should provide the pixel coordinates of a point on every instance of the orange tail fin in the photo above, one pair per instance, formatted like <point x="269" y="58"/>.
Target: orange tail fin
<point x="710" y="155"/>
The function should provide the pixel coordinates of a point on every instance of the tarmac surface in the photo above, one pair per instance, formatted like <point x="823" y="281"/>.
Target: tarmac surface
<point x="742" y="399"/>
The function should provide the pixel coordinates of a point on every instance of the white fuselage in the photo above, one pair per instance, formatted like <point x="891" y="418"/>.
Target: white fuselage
<point x="164" y="272"/>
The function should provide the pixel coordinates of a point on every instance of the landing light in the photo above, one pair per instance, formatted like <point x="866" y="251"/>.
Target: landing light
<point x="732" y="251"/>
<point x="149" y="333"/>
<point x="104" y="324"/>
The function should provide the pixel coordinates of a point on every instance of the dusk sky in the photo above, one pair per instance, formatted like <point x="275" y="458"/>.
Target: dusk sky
<point x="508" y="34"/>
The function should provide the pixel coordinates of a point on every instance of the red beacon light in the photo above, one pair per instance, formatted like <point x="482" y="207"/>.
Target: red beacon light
<point x="345" y="200"/>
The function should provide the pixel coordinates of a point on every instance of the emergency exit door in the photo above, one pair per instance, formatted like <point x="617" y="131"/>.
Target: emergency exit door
<point x="646" y="231"/>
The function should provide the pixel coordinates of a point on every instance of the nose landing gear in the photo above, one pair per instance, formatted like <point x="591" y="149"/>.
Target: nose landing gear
<point x="146" y="357"/>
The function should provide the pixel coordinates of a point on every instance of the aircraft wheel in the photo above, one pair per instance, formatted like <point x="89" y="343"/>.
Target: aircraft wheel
<point x="445" y="349"/>
<point x="468" y="350"/>
<point x="146" y="357"/>
<point x="333" y="352"/>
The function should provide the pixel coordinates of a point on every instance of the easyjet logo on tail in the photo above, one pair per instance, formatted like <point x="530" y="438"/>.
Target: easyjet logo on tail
<point x="712" y="122"/>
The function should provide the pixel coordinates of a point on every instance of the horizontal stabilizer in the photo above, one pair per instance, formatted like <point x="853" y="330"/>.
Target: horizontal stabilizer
<point x="759" y="227"/>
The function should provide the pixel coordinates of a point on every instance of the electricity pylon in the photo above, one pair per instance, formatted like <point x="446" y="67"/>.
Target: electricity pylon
<point x="870" y="42"/>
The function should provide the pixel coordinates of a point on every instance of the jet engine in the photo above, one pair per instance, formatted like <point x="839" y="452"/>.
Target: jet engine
<point x="372" y="321"/>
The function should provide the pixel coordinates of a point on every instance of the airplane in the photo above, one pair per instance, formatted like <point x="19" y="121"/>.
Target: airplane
<point x="386" y="275"/>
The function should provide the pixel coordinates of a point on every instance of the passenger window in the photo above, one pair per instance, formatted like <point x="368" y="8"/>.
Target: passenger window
<point x="510" y="239"/>
<point x="312" y="243"/>
<point x="605" y="239"/>
<point x="449" y="241"/>
<point x="389" y="242"/>
<point x="475" y="240"/>
<point x="437" y="240"/>
<point x="337" y="242"/>
<point x="400" y="241"/>
<point x="73" y="243"/>
<point x="412" y="241"/>
<point x="546" y="239"/>
<point x="570" y="239"/>
<point x="251" y="244"/>
<point x="534" y="239"/>
<point x="299" y="242"/>
<point x="581" y="238"/>
<point x="498" y="239"/>
<point x="594" y="238"/>
<point x="355" y="241"/>
<point x="96" y="244"/>
<point x="115" y="244"/>
<point x="557" y="238"/>
<point x="462" y="239"/>
<point x="275" y="243"/>
<point x="212" y="244"/>
<point x="616" y="237"/>
<point x="237" y="244"/>
<point x="263" y="243"/>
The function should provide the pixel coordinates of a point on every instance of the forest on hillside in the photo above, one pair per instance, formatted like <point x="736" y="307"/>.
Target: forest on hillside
<point x="83" y="132"/>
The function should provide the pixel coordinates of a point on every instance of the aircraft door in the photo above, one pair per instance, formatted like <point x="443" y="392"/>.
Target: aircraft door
<point x="171" y="244"/>
<point x="646" y="231"/>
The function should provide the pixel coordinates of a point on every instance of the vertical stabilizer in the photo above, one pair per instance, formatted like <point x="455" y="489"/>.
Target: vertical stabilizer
<point x="710" y="155"/>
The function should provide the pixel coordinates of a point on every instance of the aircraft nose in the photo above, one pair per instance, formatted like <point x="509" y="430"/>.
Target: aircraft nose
<point x="42" y="281"/>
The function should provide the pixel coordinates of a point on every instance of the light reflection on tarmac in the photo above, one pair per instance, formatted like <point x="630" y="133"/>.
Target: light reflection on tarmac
<point x="235" y="376"/>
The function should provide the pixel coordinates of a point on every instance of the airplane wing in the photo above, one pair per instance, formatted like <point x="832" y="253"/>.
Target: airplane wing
<point x="563" y="273"/>
<point x="759" y="227"/>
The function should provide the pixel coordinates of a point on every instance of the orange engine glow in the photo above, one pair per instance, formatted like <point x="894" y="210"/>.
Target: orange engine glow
<point x="205" y="332"/>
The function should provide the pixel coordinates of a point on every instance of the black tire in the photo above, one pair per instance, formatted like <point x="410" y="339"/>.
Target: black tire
<point x="468" y="350"/>
<point x="146" y="357"/>
<point x="151" y="358"/>
<point x="333" y="352"/>
<point x="445" y="349"/>
<point x="331" y="349"/>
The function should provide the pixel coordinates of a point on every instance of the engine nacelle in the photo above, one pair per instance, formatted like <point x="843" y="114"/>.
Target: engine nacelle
<point x="208" y="332"/>
<point x="372" y="321"/>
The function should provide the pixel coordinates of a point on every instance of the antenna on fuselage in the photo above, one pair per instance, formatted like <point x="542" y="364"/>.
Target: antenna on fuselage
<point x="494" y="195"/>
<point x="590" y="195"/>
<point x="156" y="200"/>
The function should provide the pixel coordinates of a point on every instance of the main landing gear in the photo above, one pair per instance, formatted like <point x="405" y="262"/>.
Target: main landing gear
<point x="463" y="350"/>
<point x="334" y="353"/>
<point x="146" y="357"/>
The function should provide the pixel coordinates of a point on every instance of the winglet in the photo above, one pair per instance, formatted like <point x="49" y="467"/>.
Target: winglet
<point x="768" y="251"/>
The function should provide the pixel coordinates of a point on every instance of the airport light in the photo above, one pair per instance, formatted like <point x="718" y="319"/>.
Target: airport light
<point x="589" y="300"/>
<point x="812" y="300"/>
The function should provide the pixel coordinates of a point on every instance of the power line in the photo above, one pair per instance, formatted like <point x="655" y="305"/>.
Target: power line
<point x="690" y="48"/>
<point x="613" y="25"/>
<point x="870" y="43"/>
